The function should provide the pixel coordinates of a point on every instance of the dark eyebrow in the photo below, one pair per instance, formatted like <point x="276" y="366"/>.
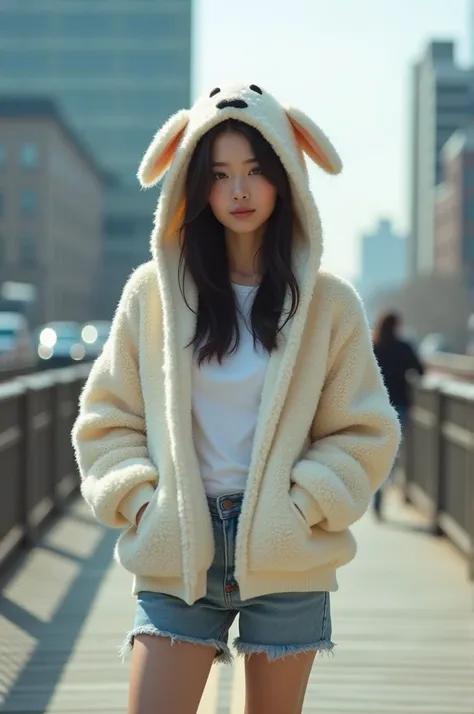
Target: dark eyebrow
<point x="223" y="163"/>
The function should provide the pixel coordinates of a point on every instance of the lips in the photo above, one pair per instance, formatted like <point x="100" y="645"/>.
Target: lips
<point x="242" y="211"/>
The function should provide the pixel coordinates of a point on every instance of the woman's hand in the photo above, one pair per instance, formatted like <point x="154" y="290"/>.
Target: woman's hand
<point x="141" y="512"/>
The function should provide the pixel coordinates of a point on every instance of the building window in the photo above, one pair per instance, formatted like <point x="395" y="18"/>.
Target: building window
<point x="28" y="250"/>
<point x="469" y="211"/>
<point x="88" y="101"/>
<point x="3" y="156"/>
<point x="152" y="25"/>
<point x="21" y="26"/>
<point x="16" y="64"/>
<point x="80" y="24"/>
<point x="29" y="155"/>
<point x="470" y="176"/>
<point x="77" y="62"/>
<point x="152" y="59"/>
<point x="28" y="203"/>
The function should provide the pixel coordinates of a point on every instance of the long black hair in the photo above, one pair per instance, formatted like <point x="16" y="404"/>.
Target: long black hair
<point x="386" y="329"/>
<point x="204" y="253"/>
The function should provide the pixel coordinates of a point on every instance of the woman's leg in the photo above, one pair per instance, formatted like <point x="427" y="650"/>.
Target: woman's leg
<point x="377" y="502"/>
<point x="167" y="677"/>
<point x="276" y="686"/>
<point x="402" y="413"/>
<point x="280" y="634"/>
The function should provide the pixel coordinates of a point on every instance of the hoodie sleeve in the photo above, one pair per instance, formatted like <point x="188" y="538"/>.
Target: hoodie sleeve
<point x="109" y="435"/>
<point x="355" y="433"/>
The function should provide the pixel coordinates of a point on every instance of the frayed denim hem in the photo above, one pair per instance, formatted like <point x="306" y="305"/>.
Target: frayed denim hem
<point x="274" y="652"/>
<point x="223" y="655"/>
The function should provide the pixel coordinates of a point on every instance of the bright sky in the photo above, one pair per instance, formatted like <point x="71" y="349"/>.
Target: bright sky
<point x="346" y="63"/>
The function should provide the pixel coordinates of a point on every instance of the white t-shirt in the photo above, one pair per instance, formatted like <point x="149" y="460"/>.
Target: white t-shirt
<point x="226" y="400"/>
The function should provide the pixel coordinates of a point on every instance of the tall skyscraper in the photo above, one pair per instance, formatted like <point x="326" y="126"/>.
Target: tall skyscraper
<point x="454" y="209"/>
<point x="382" y="261"/>
<point x="117" y="69"/>
<point x="442" y="102"/>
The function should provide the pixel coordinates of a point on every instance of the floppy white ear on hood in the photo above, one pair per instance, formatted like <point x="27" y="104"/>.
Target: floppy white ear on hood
<point x="312" y="140"/>
<point x="162" y="149"/>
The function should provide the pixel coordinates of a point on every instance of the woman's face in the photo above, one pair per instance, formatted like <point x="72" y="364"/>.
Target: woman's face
<point x="241" y="198"/>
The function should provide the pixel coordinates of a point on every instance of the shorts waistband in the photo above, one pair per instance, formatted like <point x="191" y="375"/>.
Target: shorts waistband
<point x="226" y="506"/>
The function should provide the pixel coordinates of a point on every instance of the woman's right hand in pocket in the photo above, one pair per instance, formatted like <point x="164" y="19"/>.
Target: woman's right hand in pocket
<point x="140" y="513"/>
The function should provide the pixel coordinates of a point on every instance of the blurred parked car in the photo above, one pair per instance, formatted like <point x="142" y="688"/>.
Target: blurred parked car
<point x="16" y="343"/>
<point x="60" y="344"/>
<point x="94" y="336"/>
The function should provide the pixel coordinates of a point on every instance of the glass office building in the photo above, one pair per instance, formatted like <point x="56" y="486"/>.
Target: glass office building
<point x="118" y="69"/>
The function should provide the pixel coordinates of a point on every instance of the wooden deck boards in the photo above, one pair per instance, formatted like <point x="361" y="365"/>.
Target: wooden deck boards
<point x="403" y="621"/>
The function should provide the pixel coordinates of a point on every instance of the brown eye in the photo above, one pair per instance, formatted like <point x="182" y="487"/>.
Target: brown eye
<point x="214" y="92"/>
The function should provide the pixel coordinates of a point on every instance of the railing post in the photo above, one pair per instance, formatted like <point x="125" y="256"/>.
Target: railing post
<point x="27" y="467"/>
<point x="408" y="445"/>
<point x="23" y="464"/>
<point x="439" y="462"/>
<point x="470" y="487"/>
<point x="54" y="445"/>
<point x="407" y="455"/>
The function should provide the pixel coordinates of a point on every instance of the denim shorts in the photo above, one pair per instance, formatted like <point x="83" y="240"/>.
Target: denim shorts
<point x="278" y="624"/>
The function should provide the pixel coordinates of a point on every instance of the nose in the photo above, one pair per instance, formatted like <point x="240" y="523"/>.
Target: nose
<point x="240" y="191"/>
<point x="236" y="103"/>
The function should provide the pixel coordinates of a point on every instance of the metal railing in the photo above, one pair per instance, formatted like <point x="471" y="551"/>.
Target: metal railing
<point x="37" y="466"/>
<point x="451" y="366"/>
<point x="439" y="459"/>
<point x="38" y="470"/>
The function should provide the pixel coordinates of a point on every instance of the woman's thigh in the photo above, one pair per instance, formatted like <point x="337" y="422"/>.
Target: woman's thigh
<point x="173" y="647"/>
<point x="277" y="686"/>
<point x="167" y="677"/>
<point x="280" y="635"/>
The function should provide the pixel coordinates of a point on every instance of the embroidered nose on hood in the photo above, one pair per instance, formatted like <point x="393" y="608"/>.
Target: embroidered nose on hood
<point x="235" y="103"/>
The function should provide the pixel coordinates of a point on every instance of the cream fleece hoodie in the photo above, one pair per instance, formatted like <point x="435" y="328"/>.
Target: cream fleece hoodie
<point x="326" y="435"/>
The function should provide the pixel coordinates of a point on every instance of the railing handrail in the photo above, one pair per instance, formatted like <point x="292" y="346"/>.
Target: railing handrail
<point x="461" y="366"/>
<point x="11" y="389"/>
<point x="446" y="385"/>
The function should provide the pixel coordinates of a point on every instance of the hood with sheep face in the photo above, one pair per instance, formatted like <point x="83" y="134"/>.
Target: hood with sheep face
<point x="292" y="135"/>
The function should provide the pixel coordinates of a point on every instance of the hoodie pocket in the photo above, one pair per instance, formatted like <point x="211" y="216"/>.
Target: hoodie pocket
<point x="153" y="548"/>
<point x="282" y="541"/>
<point x="301" y="519"/>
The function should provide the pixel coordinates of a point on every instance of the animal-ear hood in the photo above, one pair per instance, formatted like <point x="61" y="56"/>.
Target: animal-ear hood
<point x="249" y="104"/>
<point x="291" y="133"/>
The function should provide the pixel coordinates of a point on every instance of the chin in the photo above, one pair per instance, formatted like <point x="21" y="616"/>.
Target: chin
<point x="247" y="226"/>
<point x="243" y="230"/>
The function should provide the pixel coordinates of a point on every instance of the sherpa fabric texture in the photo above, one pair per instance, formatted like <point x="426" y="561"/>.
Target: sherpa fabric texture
<point x="326" y="436"/>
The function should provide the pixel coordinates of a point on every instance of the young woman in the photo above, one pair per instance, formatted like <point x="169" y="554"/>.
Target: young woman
<point x="396" y="359"/>
<point x="236" y="424"/>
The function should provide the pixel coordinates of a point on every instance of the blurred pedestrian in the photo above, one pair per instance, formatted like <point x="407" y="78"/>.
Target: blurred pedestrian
<point x="396" y="358"/>
<point x="236" y="423"/>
